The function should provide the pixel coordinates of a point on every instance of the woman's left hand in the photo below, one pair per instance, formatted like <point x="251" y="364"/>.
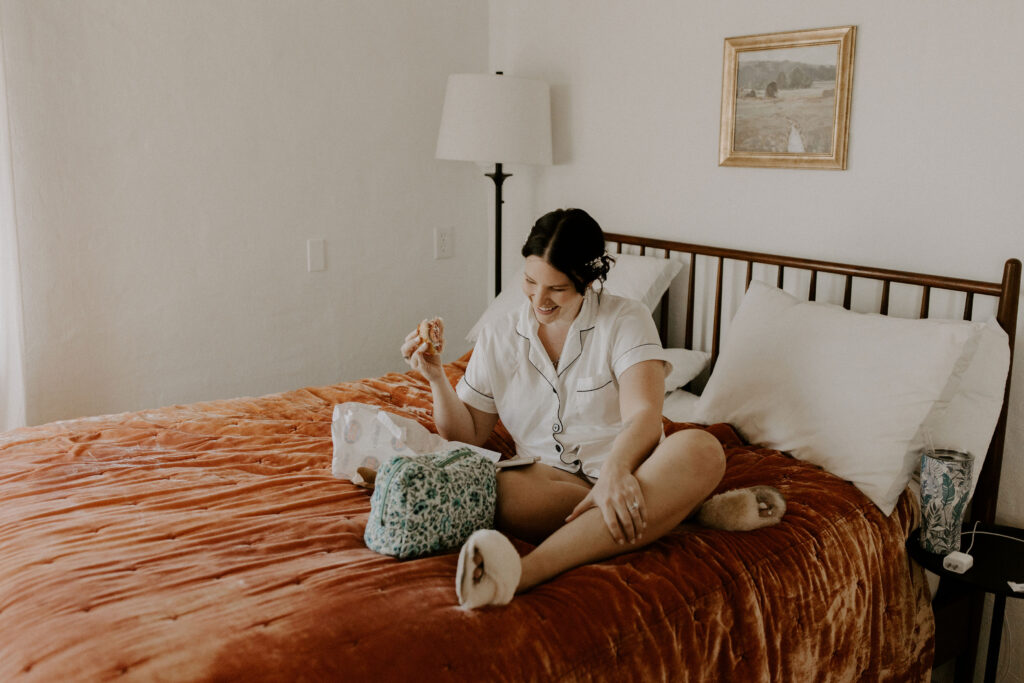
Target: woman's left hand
<point x="617" y="494"/>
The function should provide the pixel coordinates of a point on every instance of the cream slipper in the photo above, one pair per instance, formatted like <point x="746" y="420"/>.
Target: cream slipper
<point x="489" y="570"/>
<point x="743" y="509"/>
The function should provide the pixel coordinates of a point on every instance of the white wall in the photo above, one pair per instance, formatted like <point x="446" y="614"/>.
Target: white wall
<point x="936" y="142"/>
<point x="172" y="158"/>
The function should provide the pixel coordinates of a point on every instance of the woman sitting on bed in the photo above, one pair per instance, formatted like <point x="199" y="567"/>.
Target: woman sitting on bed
<point x="577" y="378"/>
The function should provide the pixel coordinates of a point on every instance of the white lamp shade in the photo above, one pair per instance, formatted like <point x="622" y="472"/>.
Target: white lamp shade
<point x="492" y="118"/>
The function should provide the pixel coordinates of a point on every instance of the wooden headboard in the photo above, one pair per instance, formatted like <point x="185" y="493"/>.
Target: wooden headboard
<point x="1005" y="292"/>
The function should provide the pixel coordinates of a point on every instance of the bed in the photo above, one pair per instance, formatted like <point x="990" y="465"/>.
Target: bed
<point x="211" y="542"/>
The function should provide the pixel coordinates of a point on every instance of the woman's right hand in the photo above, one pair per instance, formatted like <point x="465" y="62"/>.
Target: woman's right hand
<point x="415" y="353"/>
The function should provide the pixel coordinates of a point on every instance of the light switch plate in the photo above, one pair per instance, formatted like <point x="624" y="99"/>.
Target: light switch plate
<point x="316" y="256"/>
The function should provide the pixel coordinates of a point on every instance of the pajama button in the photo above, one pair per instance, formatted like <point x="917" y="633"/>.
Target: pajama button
<point x="558" y="448"/>
<point x="556" y="428"/>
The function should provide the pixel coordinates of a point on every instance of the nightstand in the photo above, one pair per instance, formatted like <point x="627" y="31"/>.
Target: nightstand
<point x="998" y="553"/>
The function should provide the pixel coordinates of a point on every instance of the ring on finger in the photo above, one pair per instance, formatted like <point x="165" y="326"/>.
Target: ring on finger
<point x="635" y="505"/>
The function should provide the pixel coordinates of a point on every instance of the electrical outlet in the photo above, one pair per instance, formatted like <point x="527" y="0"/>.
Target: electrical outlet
<point x="444" y="246"/>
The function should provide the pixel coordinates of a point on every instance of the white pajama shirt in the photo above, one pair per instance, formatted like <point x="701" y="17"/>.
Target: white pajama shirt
<point x="567" y="416"/>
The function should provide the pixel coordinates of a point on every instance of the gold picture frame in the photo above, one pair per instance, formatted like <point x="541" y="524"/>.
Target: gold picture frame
<point x="786" y="99"/>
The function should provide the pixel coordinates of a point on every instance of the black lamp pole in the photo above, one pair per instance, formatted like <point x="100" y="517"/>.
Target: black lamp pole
<point x="499" y="179"/>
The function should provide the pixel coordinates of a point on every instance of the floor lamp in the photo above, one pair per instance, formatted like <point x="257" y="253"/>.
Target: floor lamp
<point x="492" y="118"/>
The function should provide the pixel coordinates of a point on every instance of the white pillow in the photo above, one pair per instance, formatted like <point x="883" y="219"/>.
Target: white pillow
<point x="686" y="366"/>
<point x="845" y="391"/>
<point x="643" y="278"/>
<point x="968" y="421"/>
<point x="680" y="406"/>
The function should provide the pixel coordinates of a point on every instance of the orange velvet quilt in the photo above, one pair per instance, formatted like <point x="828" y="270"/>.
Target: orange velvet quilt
<point x="210" y="542"/>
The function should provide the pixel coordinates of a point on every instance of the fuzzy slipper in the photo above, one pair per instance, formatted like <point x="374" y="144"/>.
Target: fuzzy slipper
<point x="489" y="570"/>
<point x="743" y="509"/>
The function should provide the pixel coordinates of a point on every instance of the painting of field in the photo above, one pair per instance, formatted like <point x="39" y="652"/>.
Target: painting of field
<point x="796" y="121"/>
<point x="786" y="101"/>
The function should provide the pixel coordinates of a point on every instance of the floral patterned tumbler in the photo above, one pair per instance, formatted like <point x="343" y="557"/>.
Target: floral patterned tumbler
<point x="945" y="485"/>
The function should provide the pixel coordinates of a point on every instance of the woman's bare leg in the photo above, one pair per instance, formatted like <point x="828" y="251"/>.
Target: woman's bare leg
<point x="534" y="501"/>
<point x="681" y="472"/>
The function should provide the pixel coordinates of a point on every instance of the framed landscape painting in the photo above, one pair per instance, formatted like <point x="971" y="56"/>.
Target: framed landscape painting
<point x="786" y="99"/>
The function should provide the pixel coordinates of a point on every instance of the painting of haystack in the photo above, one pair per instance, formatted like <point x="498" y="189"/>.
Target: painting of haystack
<point x="786" y="100"/>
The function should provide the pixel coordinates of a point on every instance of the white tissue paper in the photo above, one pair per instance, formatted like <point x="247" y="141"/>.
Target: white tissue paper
<point x="366" y="436"/>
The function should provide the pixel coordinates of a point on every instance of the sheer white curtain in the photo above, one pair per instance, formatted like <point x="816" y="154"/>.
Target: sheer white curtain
<point x="12" y="377"/>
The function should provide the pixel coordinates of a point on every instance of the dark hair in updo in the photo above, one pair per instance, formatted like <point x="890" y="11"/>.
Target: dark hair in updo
<point x="573" y="243"/>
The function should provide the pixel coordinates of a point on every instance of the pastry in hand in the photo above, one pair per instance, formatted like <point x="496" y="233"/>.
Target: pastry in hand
<point x="432" y="332"/>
